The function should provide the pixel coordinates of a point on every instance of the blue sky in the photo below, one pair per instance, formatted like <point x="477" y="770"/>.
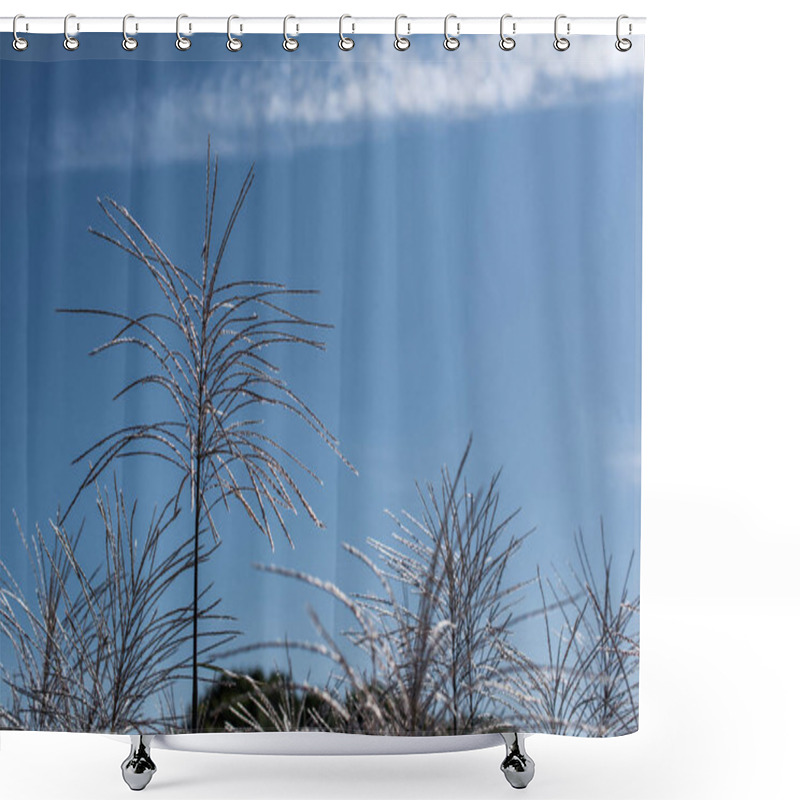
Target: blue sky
<point x="471" y="221"/>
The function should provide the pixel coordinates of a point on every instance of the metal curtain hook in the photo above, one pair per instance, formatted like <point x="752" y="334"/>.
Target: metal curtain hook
<point x="181" y="41"/>
<point x="451" y="42"/>
<point x="233" y="44"/>
<point x="401" y="42"/>
<point x="507" y="42"/>
<point x="70" y="42"/>
<point x="345" y="43"/>
<point x="623" y="45"/>
<point x="561" y="43"/>
<point x="128" y="42"/>
<point x="290" y="44"/>
<point x="19" y="44"/>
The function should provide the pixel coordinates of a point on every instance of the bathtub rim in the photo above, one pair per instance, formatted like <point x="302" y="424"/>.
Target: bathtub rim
<point x="318" y="743"/>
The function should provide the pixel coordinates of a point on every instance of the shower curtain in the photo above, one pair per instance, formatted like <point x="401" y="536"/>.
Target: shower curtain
<point x="320" y="385"/>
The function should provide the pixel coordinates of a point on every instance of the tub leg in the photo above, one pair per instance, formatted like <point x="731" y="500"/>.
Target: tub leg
<point x="138" y="768"/>
<point x="517" y="766"/>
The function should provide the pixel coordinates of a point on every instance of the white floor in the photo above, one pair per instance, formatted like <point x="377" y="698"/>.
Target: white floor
<point x="718" y="720"/>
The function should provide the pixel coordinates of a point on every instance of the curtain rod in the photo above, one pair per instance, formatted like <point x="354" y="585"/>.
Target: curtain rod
<point x="299" y="25"/>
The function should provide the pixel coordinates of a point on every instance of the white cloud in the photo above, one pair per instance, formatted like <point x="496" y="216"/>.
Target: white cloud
<point x="288" y="101"/>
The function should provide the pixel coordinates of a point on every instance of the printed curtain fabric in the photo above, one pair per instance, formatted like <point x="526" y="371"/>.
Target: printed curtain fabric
<point x="320" y="386"/>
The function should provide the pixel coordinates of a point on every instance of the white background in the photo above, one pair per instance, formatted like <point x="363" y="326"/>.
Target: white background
<point x="721" y="448"/>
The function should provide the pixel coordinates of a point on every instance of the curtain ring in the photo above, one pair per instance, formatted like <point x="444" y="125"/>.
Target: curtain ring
<point x="561" y="43"/>
<point x="233" y="44"/>
<point x="70" y="42"/>
<point x="623" y="45"/>
<point x="401" y="42"/>
<point x="507" y="42"/>
<point x="19" y="44"/>
<point x="128" y="42"/>
<point x="451" y="42"/>
<point x="181" y="41"/>
<point x="345" y="43"/>
<point x="290" y="44"/>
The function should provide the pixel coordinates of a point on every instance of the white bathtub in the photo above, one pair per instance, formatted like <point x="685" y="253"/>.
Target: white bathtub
<point x="138" y="768"/>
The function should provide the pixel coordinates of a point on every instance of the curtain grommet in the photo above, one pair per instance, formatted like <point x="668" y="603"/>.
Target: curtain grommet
<point x="181" y="42"/>
<point x="233" y="44"/>
<point x="19" y="43"/>
<point x="507" y="43"/>
<point x="451" y="43"/>
<point x="70" y="42"/>
<point x="129" y="43"/>
<point x="401" y="43"/>
<point x="345" y="42"/>
<point x="561" y="43"/>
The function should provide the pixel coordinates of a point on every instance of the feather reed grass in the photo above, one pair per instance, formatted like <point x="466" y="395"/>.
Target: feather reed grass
<point x="101" y="647"/>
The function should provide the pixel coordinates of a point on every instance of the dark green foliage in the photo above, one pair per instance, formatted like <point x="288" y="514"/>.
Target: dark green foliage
<point x="252" y="701"/>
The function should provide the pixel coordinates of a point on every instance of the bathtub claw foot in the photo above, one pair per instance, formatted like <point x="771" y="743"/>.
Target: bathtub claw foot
<point x="138" y="768"/>
<point x="517" y="766"/>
